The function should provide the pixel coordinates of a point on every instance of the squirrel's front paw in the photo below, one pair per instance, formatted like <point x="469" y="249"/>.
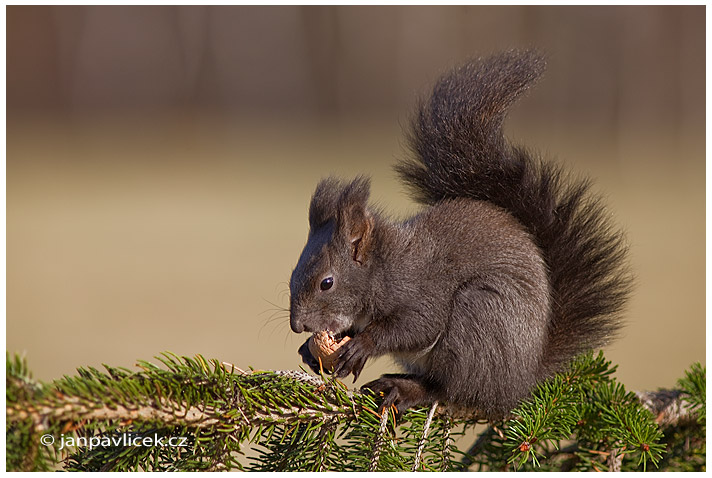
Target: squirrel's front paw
<point x="402" y="391"/>
<point x="353" y="355"/>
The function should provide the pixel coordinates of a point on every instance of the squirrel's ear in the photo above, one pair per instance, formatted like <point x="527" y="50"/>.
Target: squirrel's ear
<point x="324" y="200"/>
<point x="354" y="221"/>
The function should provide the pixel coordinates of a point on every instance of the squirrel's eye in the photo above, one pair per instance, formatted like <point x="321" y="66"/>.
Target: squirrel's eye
<point x="326" y="283"/>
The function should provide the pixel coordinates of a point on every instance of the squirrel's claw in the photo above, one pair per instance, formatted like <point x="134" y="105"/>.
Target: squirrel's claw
<point x="353" y="355"/>
<point x="387" y="391"/>
<point x="400" y="390"/>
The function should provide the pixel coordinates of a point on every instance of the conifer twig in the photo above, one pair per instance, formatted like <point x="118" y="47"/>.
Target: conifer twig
<point x="375" y="457"/>
<point x="667" y="406"/>
<point x="426" y="429"/>
<point x="447" y="444"/>
<point x="615" y="460"/>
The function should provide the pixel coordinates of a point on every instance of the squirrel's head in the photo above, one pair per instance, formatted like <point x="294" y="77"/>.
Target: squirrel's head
<point x="329" y="286"/>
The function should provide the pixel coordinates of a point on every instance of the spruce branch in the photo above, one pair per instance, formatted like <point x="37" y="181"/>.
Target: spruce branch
<point x="294" y="421"/>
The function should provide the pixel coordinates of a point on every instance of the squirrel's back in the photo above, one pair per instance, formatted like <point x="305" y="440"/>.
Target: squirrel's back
<point x="460" y="151"/>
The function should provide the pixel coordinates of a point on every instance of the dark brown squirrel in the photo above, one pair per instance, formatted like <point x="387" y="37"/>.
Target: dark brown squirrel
<point x="510" y="271"/>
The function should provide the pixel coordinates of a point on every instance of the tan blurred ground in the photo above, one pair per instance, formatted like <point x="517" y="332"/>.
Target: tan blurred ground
<point x="130" y="237"/>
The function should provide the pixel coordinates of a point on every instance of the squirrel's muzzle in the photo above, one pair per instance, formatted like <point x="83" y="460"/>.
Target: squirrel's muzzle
<point x="294" y="322"/>
<point x="295" y="325"/>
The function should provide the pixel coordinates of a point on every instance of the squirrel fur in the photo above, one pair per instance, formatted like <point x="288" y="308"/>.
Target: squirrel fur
<point x="510" y="270"/>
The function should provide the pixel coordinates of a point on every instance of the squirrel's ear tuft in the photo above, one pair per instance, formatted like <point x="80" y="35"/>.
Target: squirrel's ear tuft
<point x="354" y="221"/>
<point x="324" y="200"/>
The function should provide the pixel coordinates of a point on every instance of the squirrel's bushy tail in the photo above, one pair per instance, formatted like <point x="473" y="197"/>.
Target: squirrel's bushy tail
<point x="460" y="151"/>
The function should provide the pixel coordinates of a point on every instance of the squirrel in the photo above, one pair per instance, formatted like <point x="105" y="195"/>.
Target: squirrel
<point x="510" y="270"/>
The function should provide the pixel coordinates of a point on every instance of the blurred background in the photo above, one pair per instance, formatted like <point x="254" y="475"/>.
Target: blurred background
<point x="160" y="161"/>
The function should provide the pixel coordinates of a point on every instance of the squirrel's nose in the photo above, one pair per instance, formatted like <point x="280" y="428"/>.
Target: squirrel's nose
<point x="296" y="326"/>
<point x="294" y="323"/>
